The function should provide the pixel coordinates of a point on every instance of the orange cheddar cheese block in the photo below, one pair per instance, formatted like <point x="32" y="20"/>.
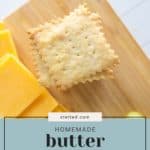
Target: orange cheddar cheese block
<point x="18" y="87"/>
<point x="6" y="43"/>
<point x="2" y="26"/>
<point x="60" y="108"/>
<point x="134" y="114"/>
<point x="41" y="106"/>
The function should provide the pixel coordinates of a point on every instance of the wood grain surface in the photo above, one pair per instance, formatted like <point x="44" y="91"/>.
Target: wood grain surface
<point x="130" y="88"/>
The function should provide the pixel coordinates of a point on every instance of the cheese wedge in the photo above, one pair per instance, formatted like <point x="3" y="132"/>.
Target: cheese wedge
<point x="41" y="106"/>
<point x="2" y="26"/>
<point x="6" y="43"/>
<point x="134" y="114"/>
<point x="60" y="108"/>
<point x="18" y="87"/>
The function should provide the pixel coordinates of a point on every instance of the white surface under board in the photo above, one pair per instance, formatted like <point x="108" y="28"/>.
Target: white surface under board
<point x="134" y="14"/>
<point x="8" y="6"/>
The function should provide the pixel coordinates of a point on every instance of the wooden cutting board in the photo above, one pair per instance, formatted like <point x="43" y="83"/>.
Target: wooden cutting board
<point x="128" y="91"/>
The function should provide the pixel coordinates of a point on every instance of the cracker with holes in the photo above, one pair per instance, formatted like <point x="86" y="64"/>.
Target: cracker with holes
<point x="72" y="50"/>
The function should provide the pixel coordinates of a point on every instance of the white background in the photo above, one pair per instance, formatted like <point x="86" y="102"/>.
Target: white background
<point x="134" y="13"/>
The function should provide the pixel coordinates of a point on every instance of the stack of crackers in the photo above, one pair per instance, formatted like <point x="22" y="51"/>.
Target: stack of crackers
<point x="72" y="50"/>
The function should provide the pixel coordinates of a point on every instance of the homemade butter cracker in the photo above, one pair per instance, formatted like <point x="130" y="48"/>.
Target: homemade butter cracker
<point x="72" y="50"/>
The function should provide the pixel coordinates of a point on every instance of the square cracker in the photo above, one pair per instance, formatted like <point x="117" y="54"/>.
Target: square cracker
<point x="72" y="50"/>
